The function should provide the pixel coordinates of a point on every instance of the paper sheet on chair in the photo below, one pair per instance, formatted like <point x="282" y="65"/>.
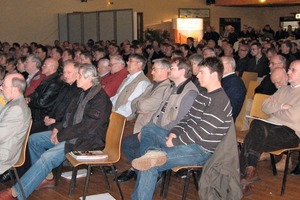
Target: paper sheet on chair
<point x="264" y="120"/>
<point x="80" y="173"/>
<point x="104" y="196"/>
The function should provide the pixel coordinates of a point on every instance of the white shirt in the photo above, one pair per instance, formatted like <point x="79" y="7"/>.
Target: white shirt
<point x="125" y="109"/>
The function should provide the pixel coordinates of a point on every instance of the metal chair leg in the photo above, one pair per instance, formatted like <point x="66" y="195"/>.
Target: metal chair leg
<point x="186" y="184"/>
<point x="86" y="184"/>
<point x="19" y="183"/>
<point x="58" y="174"/>
<point x="273" y="164"/>
<point x="285" y="172"/>
<point x="163" y="182"/>
<point x="195" y="179"/>
<point x="105" y="177"/>
<point x="73" y="181"/>
<point x="117" y="182"/>
<point x="167" y="183"/>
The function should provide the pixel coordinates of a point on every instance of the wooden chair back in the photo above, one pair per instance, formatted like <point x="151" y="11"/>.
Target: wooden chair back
<point x="256" y="110"/>
<point x="114" y="136"/>
<point x="23" y="153"/>
<point x="251" y="89"/>
<point x="249" y="76"/>
<point x="239" y="122"/>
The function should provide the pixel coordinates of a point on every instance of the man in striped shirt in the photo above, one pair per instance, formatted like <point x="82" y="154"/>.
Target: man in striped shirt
<point x="193" y="140"/>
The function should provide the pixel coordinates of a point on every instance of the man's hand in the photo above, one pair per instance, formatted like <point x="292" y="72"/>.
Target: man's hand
<point x="53" y="137"/>
<point x="139" y="136"/>
<point x="27" y="99"/>
<point x="285" y="106"/>
<point x="169" y="142"/>
<point x="48" y="121"/>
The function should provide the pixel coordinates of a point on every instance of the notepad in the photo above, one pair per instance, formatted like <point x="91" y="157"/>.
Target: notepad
<point x="103" y="196"/>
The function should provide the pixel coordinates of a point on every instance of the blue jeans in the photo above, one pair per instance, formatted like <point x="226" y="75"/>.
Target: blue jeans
<point x="131" y="147"/>
<point x="154" y="137"/>
<point x="45" y="156"/>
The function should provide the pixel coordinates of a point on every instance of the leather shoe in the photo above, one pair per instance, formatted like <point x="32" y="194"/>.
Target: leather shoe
<point x="251" y="176"/>
<point x="5" y="177"/>
<point x="46" y="184"/>
<point x="296" y="171"/>
<point x="6" y="195"/>
<point x="126" y="175"/>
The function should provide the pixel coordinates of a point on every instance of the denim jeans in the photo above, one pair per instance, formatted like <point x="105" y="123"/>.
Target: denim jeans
<point x="45" y="156"/>
<point x="154" y="137"/>
<point x="131" y="147"/>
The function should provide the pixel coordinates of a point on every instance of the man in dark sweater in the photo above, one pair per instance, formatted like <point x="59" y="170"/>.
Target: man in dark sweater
<point x="233" y="86"/>
<point x="193" y="140"/>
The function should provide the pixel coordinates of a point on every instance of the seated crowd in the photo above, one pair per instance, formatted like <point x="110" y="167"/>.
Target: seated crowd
<point x="181" y="114"/>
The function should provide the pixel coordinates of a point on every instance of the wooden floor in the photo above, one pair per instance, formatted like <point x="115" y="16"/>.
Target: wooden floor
<point x="268" y="188"/>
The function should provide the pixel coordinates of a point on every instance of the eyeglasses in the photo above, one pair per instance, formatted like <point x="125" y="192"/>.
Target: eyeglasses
<point x="46" y="65"/>
<point x="243" y="50"/>
<point x="293" y="70"/>
<point x="112" y="64"/>
<point x="131" y="61"/>
<point x="5" y="86"/>
<point x="174" y="68"/>
<point x="155" y="69"/>
<point x="273" y="63"/>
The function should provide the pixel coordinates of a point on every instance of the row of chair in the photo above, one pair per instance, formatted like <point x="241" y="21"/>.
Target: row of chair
<point x="256" y="111"/>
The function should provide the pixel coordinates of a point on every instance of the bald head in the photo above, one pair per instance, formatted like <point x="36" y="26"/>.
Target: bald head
<point x="13" y="86"/>
<point x="279" y="77"/>
<point x="50" y="66"/>
<point x="294" y="73"/>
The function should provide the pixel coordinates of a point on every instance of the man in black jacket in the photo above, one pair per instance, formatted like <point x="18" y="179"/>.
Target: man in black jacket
<point x="83" y="128"/>
<point x="68" y="90"/>
<point x="42" y="100"/>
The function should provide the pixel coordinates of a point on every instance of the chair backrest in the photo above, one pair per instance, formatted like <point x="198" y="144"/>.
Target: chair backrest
<point x="114" y="136"/>
<point x="249" y="76"/>
<point x="239" y="121"/>
<point x="256" y="110"/>
<point x="23" y="153"/>
<point x="251" y="89"/>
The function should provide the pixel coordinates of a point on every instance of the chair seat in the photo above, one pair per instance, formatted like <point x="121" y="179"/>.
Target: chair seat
<point x="280" y="151"/>
<point x="111" y="160"/>
<point x="176" y="169"/>
<point x="240" y="136"/>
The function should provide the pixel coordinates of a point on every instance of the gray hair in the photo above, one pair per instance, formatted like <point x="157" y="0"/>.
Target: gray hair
<point x="36" y="60"/>
<point x="163" y="63"/>
<point x="19" y="83"/>
<point x="195" y="58"/>
<point x="119" y="59"/>
<point x="230" y="60"/>
<point x="105" y="62"/>
<point x="89" y="70"/>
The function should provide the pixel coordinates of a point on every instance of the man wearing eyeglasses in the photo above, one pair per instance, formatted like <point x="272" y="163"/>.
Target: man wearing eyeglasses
<point x="266" y="86"/>
<point x="282" y="131"/>
<point x="117" y="72"/>
<point x="14" y="120"/>
<point x="132" y="87"/>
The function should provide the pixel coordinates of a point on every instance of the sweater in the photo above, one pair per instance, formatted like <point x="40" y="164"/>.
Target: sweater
<point x="207" y="121"/>
<point x="288" y="117"/>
